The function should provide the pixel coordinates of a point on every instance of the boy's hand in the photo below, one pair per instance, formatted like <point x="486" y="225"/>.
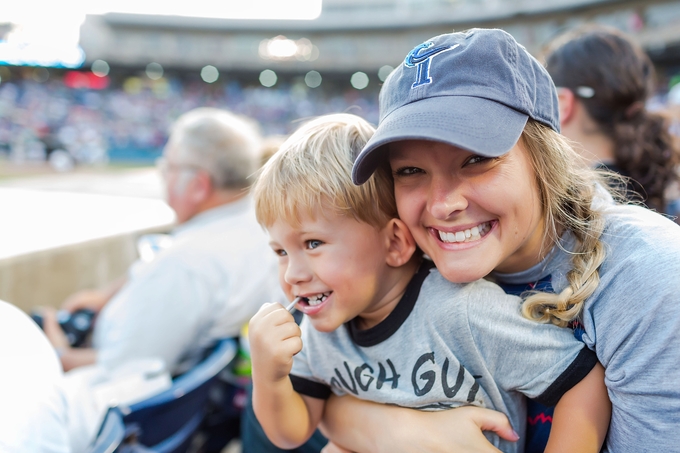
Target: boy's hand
<point x="274" y="339"/>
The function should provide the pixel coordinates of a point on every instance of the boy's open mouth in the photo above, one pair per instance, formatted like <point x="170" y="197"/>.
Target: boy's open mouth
<point x="316" y="299"/>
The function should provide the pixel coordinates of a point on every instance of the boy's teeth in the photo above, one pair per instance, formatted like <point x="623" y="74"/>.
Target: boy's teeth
<point x="316" y="300"/>
<point x="468" y="235"/>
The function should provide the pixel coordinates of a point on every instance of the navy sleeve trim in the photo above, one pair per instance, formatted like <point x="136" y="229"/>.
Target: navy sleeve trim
<point x="388" y="326"/>
<point x="575" y="372"/>
<point x="310" y="388"/>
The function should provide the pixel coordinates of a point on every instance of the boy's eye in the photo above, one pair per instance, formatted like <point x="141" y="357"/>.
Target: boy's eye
<point x="313" y="243"/>
<point x="407" y="171"/>
<point x="280" y="252"/>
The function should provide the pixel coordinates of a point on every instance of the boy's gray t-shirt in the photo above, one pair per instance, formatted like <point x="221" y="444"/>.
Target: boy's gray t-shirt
<point x="446" y="345"/>
<point x="632" y="322"/>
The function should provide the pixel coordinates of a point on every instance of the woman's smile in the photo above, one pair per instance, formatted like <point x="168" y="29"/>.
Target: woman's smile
<point x="462" y="235"/>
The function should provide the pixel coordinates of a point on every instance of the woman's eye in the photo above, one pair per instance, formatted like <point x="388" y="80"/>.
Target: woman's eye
<point x="407" y="171"/>
<point x="478" y="160"/>
<point x="313" y="243"/>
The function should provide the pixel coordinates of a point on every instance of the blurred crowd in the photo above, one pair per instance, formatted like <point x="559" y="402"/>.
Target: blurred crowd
<point x="131" y="121"/>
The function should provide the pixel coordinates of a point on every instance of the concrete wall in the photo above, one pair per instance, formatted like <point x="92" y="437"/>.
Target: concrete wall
<point x="47" y="277"/>
<point x="57" y="236"/>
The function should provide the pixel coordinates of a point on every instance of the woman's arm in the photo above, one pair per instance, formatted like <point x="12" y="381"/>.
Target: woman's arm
<point x="363" y="426"/>
<point x="581" y="417"/>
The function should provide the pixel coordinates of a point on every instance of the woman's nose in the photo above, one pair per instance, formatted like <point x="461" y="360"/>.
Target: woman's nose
<point x="446" y="198"/>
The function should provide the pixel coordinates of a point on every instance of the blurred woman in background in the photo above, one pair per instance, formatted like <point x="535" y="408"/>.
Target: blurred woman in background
<point x="604" y="80"/>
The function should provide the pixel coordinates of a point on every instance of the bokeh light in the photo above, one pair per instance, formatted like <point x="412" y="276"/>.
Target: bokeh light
<point x="210" y="74"/>
<point x="359" y="80"/>
<point x="385" y="71"/>
<point x="313" y="79"/>
<point x="154" y="71"/>
<point x="40" y="75"/>
<point x="268" y="78"/>
<point x="282" y="48"/>
<point x="100" y="68"/>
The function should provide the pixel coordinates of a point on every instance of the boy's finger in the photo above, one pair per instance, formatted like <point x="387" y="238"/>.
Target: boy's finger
<point x="267" y="308"/>
<point x="277" y="315"/>
<point x="292" y="346"/>
<point x="289" y="330"/>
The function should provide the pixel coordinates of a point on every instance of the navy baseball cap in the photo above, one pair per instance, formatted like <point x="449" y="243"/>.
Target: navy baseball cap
<point x="474" y="90"/>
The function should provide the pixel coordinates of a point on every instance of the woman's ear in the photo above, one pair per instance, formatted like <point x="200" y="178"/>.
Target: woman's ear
<point x="401" y="245"/>
<point x="566" y="101"/>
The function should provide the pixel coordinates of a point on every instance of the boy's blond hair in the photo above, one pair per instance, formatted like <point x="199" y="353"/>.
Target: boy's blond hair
<point x="311" y="174"/>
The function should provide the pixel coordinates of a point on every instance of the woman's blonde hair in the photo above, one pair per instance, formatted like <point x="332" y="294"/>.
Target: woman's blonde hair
<point x="311" y="174"/>
<point x="567" y="189"/>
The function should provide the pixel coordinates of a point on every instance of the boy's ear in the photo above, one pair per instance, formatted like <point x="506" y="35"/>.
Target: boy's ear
<point x="401" y="245"/>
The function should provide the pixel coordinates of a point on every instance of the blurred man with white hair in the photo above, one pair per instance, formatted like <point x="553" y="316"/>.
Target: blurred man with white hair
<point x="215" y="271"/>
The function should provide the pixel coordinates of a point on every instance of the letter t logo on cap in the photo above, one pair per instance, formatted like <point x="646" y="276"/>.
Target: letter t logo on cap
<point x="421" y="61"/>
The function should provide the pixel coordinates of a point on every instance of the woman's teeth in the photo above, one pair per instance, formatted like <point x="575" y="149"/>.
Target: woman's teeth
<point x="469" y="235"/>
<point x="316" y="300"/>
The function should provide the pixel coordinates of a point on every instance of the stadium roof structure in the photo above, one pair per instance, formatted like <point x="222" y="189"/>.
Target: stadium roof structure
<point x="354" y="35"/>
<point x="347" y="15"/>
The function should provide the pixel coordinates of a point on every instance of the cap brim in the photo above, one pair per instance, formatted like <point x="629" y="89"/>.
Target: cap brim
<point x="476" y="124"/>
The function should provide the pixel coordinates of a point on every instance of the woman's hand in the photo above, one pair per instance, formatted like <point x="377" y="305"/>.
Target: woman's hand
<point x="463" y="430"/>
<point x="363" y="427"/>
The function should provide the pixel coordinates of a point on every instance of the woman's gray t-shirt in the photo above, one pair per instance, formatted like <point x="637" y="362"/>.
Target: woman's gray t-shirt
<point x="632" y="322"/>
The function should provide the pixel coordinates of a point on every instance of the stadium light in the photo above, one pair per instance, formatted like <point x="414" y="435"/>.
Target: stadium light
<point x="359" y="80"/>
<point x="50" y="38"/>
<point x="154" y="71"/>
<point x="385" y="71"/>
<point x="313" y="79"/>
<point x="40" y="75"/>
<point x="210" y="74"/>
<point x="100" y="68"/>
<point x="282" y="48"/>
<point x="268" y="78"/>
<point x="40" y="54"/>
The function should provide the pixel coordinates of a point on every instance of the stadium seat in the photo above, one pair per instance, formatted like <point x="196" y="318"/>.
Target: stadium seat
<point x="167" y="422"/>
<point x="111" y="433"/>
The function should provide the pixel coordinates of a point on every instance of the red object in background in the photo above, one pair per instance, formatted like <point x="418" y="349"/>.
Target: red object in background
<point x="87" y="80"/>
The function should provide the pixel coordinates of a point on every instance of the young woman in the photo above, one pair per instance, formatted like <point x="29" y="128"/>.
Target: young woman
<point x="469" y="130"/>
<point x="604" y="80"/>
